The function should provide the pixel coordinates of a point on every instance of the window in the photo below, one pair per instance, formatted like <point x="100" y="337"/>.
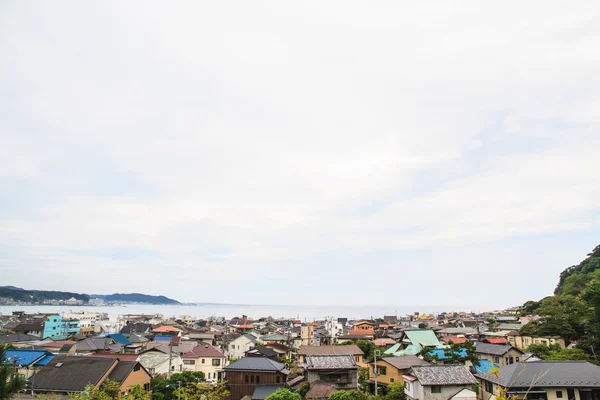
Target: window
<point x="407" y="385"/>
<point x="216" y="362"/>
<point x="497" y="360"/>
<point x="203" y="361"/>
<point x="251" y="378"/>
<point x="136" y="367"/>
<point x="559" y="394"/>
<point x="246" y="379"/>
<point x="382" y="370"/>
<point x="278" y="379"/>
<point x="146" y="386"/>
<point x="516" y="359"/>
<point x="489" y="387"/>
<point x="257" y="379"/>
<point x="436" y="389"/>
<point x="188" y="362"/>
<point x="526" y="341"/>
<point x="391" y="379"/>
<point x="233" y="347"/>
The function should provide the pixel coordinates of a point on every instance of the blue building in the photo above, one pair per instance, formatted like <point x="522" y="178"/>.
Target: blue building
<point x="55" y="327"/>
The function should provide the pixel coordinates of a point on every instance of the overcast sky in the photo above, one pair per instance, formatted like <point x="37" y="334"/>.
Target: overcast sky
<point x="299" y="152"/>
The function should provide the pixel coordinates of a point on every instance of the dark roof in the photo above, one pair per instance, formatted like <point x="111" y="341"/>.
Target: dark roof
<point x="547" y="374"/>
<point x="261" y="392"/>
<point x="72" y="373"/>
<point x="256" y="364"/>
<point x="17" y="338"/>
<point x="404" y="362"/>
<point x="493" y="349"/>
<point x="29" y="326"/>
<point x="330" y="362"/>
<point x="320" y="390"/>
<point x="136" y="328"/>
<point x="122" y="371"/>
<point x="443" y="375"/>
<point x="263" y="351"/>
<point x="330" y="350"/>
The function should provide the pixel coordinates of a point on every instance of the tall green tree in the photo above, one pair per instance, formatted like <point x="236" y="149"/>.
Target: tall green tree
<point x="564" y="316"/>
<point x="349" y="395"/>
<point x="202" y="391"/>
<point x="10" y="381"/>
<point x="395" y="391"/>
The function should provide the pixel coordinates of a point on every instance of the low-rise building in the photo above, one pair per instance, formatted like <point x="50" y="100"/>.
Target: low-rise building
<point x="340" y="372"/>
<point x="251" y="374"/>
<point x="240" y="345"/>
<point x="392" y="369"/>
<point x="498" y="354"/>
<point x="439" y="382"/>
<point x="205" y="358"/>
<point x="549" y="380"/>
<point x="524" y="341"/>
<point x="351" y="350"/>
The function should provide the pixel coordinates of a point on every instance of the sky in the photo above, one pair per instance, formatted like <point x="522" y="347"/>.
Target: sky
<point x="318" y="153"/>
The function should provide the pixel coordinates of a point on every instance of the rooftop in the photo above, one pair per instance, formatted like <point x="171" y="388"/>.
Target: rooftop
<point x="330" y="362"/>
<point x="547" y="374"/>
<point x="443" y="375"/>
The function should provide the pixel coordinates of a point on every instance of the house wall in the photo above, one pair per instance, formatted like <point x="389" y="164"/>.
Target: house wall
<point x="210" y="371"/>
<point x="501" y="360"/>
<point x="139" y="377"/>
<point x="349" y="379"/>
<point x="237" y="385"/>
<point x="446" y="392"/>
<point x="550" y="393"/>
<point x="522" y="342"/>
<point x="392" y="374"/>
<point x="239" y="346"/>
<point x="307" y="335"/>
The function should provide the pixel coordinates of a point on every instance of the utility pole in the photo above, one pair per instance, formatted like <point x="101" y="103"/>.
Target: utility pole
<point x="375" y="368"/>
<point x="170" y="358"/>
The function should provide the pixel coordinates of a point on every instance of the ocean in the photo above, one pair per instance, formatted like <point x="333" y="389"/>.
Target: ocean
<point x="302" y="312"/>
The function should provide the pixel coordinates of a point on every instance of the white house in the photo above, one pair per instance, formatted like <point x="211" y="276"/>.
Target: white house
<point x="439" y="382"/>
<point x="240" y="345"/>
<point x="157" y="363"/>
<point x="205" y="358"/>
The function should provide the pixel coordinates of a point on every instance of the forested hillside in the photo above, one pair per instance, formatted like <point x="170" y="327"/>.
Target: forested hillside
<point x="574" y="310"/>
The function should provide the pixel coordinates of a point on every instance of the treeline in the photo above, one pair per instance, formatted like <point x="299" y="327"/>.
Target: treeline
<point x="38" y="296"/>
<point x="573" y="313"/>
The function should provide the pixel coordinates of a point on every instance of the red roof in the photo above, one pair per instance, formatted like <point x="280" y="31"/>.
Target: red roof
<point x="365" y="332"/>
<point x="246" y="327"/>
<point x="167" y="328"/>
<point x="58" y="343"/>
<point x="205" y="350"/>
<point x="384" y="342"/>
<point x="495" y="340"/>
<point x="454" y="339"/>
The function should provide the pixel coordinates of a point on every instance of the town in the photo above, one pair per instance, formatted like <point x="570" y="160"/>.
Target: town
<point x="444" y="356"/>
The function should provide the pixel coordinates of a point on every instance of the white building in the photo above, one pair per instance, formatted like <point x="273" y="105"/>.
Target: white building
<point x="240" y="345"/>
<point x="157" y="363"/>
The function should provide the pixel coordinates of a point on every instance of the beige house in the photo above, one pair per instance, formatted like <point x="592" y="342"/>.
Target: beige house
<point x="549" y="380"/>
<point x="524" y="341"/>
<point x="499" y="354"/>
<point x="207" y="359"/>
<point x="392" y="369"/>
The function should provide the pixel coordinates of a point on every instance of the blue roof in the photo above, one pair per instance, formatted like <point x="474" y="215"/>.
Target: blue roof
<point x="23" y="356"/>
<point x="439" y="353"/>
<point x="163" y="338"/>
<point x="120" y="338"/>
<point x="484" y="366"/>
<point x="45" y="360"/>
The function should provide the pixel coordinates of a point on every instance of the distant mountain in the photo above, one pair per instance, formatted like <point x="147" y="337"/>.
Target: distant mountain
<point x="38" y="296"/>
<point x="134" y="298"/>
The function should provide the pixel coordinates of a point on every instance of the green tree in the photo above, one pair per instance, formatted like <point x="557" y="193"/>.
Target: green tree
<point x="422" y="325"/>
<point x="395" y="391"/>
<point x="90" y="392"/>
<point x="363" y="378"/>
<point x="304" y="388"/>
<point x="541" y="350"/>
<point x="564" y="316"/>
<point x="570" y="354"/>
<point x="111" y="388"/>
<point x="349" y="395"/>
<point x="284" y="394"/>
<point x="368" y="348"/>
<point x="202" y="391"/>
<point x="10" y="381"/>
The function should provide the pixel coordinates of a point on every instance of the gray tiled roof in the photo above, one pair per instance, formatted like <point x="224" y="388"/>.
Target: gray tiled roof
<point x="261" y="392"/>
<point x="404" y="362"/>
<point x="494" y="349"/>
<point x="121" y="371"/>
<point x="547" y="374"/>
<point x="330" y="362"/>
<point x="330" y="350"/>
<point x="443" y="375"/>
<point x="73" y="374"/>
<point x="256" y="364"/>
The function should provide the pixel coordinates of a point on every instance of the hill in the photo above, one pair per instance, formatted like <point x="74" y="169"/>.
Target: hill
<point x="38" y="296"/>
<point x="134" y="298"/>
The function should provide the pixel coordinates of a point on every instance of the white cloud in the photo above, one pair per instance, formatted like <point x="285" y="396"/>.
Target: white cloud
<point x="279" y="138"/>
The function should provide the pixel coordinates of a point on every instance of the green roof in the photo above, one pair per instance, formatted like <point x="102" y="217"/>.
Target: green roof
<point x="418" y="339"/>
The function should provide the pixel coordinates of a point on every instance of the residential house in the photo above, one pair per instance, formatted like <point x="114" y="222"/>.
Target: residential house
<point x="27" y="361"/>
<point x="158" y="363"/>
<point x="392" y="369"/>
<point x="547" y="380"/>
<point x="362" y="328"/>
<point x="263" y="351"/>
<point x="412" y="342"/>
<point x="340" y="372"/>
<point x="524" y="341"/>
<point x="68" y="374"/>
<point x="319" y="391"/>
<point x="249" y="374"/>
<point x="498" y="354"/>
<point x="439" y="382"/>
<point x="18" y="340"/>
<point x="307" y="334"/>
<point x="384" y="342"/>
<point x="205" y="358"/>
<point x="350" y="350"/>
<point x="240" y="345"/>
<point x="466" y="332"/>
<point x="32" y="328"/>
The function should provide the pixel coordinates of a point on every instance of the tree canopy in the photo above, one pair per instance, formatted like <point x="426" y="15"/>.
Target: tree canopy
<point x="284" y="394"/>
